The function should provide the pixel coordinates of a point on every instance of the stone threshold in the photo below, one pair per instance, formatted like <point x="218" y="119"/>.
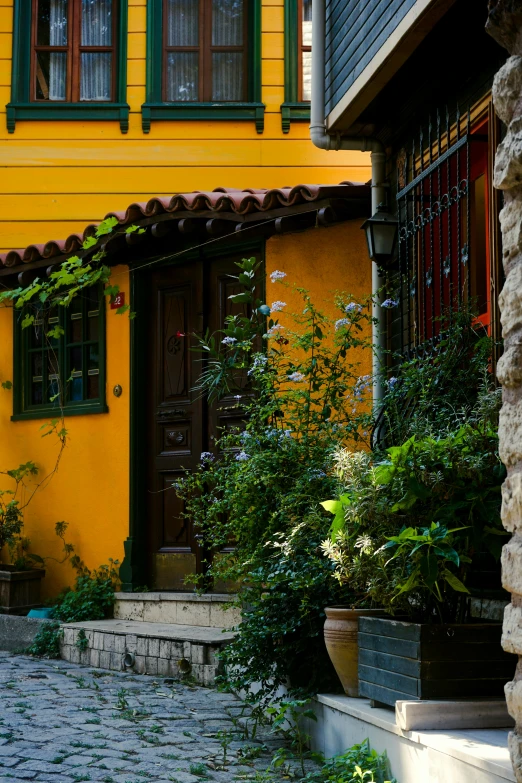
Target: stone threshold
<point x="163" y="649"/>
<point x="182" y="597"/>
<point x="438" y="756"/>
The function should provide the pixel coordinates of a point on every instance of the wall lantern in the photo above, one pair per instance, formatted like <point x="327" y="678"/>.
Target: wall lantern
<point x="381" y="235"/>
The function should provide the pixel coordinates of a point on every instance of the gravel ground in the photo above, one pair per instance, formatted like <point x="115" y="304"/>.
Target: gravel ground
<point x="64" y="723"/>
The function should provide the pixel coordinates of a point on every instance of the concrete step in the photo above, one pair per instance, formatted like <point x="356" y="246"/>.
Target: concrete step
<point x="212" y="610"/>
<point x="164" y="649"/>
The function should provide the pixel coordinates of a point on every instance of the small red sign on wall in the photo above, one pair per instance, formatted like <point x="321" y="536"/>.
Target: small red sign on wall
<point x="118" y="301"/>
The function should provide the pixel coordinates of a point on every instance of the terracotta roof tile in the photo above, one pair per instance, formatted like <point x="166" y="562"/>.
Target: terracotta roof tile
<point x="220" y="200"/>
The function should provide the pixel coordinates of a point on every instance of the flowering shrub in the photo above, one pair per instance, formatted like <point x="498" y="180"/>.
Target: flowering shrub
<point x="298" y="388"/>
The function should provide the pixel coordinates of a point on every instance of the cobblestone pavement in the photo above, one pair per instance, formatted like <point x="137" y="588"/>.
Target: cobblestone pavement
<point x="64" y="723"/>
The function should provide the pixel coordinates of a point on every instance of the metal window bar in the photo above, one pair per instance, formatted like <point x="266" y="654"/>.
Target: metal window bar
<point x="433" y="208"/>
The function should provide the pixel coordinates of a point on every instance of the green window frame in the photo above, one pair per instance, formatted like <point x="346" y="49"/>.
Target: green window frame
<point x="21" y="107"/>
<point x="293" y="109"/>
<point x="72" y="365"/>
<point x="155" y="108"/>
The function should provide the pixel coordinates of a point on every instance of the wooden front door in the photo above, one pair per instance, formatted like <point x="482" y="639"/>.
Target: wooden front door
<point x="181" y="425"/>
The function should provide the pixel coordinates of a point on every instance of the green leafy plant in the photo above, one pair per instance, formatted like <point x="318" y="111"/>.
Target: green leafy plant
<point x="287" y="719"/>
<point x="297" y="386"/>
<point x="414" y="521"/>
<point x="46" y="643"/>
<point x="92" y="597"/>
<point x="359" y="763"/>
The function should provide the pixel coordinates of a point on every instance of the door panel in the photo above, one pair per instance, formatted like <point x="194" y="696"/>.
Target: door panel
<point x="185" y="299"/>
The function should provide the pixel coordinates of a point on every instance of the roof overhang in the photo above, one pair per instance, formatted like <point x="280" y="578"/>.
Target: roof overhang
<point x="406" y="37"/>
<point x="174" y="225"/>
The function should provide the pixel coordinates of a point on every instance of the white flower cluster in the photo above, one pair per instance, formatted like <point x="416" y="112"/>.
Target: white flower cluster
<point x="353" y="307"/>
<point x="274" y="330"/>
<point x="258" y="364"/>
<point x="207" y="456"/>
<point x="341" y="322"/>
<point x="276" y="307"/>
<point x="361" y="385"/>
<point x="228" y="341"/>
<point x="277" y="275"/>
<point x="296" y="377"/>
<point x="242" y="456"/>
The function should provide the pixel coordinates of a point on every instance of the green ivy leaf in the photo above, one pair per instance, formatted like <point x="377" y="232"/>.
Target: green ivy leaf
<point x="455" y="582"/>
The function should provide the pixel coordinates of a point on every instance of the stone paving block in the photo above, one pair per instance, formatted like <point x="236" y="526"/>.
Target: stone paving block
<point x="67" y="636"/>
<point x="131" y="641"/>
<point x="163" y="667"/>
<point x="198" y="653"/>
<point x="95" y="658"/>
<point x="139" y="664"/>
<point x="151" y="665"/>
<point x="165" y="648"/>
<point x="116" y="661"/>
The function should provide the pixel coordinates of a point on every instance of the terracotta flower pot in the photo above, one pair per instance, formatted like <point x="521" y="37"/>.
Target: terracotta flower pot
<point x="341" y="631"/>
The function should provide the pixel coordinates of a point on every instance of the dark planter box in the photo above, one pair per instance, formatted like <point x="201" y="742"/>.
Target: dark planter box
<point x="19" y="590"/>
<point x="399" y="660"/>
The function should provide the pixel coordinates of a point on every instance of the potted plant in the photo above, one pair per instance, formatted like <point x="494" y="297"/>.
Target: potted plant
<point x="413" y="522"/>
<point x="20" y="578"/>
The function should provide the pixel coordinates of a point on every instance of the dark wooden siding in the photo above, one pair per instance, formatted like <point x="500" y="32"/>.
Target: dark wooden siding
<point x="355" y="31"/>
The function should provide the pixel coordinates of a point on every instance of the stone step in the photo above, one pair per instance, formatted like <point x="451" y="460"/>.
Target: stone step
<point x="213" y="610"/>
<point x="164" y="649"/>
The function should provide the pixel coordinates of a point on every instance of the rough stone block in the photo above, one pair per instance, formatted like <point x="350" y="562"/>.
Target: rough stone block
<point x="163" y="667"/>
<point x="131" y="642"/>
<point x="153" y="648"/>
<point x="513" y="691"/>
<point x="116" y="661"/>
<point x="511" y="225"/>
<point x="141" y="646"/>
<point x="97" y="641"/>
<point x="165" y="648"/>
<point x="128" y="610"/>
<point x="507" y="90"/>
<point x="160" y="611"/>
<point x="74" y="654"/>
<point x="509" y="367"/>
<point x="510" y="300"/>
<point x="95" y="658"/>
<point x="139" y="664"/>
<point x="187" y="651"/>
<point x="193" y="613"/>
<point x="119" y="644"/>
<point x="105" y="659"/>
<point x="512" y="629"/>
<point x="515" y="751"/>
<point x="512" y="503"/>
<point x="151" y="665"/>
<point x="510" y="431"/>
<point x="108" y="642"/>
<point x="67" y="636"/>
<point x="512" y="565"/>
<point x="198" y="654"/>
<point x="220" y="617"/>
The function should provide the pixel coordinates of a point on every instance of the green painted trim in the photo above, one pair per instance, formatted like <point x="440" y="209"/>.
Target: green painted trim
<point x="46" y="413"/>
<point x="20" y="106"/>
<point x="133" y="569"/>
<point x="292" y="109"/>
<point x="155" y="109"/>
<point x="294" y="112"/>
<point x="203" y="111"/>
<point x="23" y="411"/>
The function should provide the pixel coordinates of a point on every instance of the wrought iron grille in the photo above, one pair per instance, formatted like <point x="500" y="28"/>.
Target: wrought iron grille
<point x="442" y="244"/>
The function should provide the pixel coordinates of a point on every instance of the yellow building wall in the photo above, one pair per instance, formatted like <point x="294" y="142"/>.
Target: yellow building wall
<point x="325" y="261"/>
<point x="90" y="490"/>
<point x="59" y="176"/>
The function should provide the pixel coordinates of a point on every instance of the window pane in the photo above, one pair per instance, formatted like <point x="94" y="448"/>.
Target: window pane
<point x="227" y="22"/>
<point x="96" y="76"/>
<point x="182" y="76"/>
<point x="227" y="76"/>
<point x="51" y="72"/>
<point x="183" y="23"/>
<point x="75" y="328"/>
<point x="94" y="359"/>
<point x="93" y="387"/>
<point x="92" y="325"/>
<point x="75" y="362"/>
<point x="52" y="23"/>
<point x="96" y="22"/>
<point x="307" y="76"/>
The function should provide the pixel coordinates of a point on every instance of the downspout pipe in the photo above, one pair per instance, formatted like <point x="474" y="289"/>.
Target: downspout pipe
<point x="327" y="141"/>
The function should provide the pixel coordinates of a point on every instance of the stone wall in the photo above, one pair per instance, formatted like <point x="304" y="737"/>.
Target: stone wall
<point x="505" y="25"/>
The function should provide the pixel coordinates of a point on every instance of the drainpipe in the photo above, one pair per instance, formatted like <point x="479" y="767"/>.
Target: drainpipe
<point x="327" y="141"/>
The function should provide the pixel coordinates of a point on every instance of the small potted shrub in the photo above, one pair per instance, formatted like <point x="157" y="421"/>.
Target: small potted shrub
<point x="20" y="578"/>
